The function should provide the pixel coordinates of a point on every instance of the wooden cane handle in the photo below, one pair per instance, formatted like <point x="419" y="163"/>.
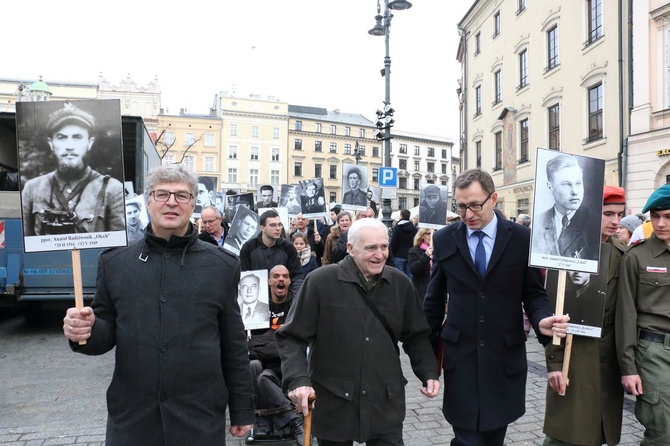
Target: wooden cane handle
<point x="307" y="425"/>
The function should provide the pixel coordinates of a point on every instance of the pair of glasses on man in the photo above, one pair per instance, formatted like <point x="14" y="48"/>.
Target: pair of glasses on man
<point x="474" y="207"/>
<point x="162" y="196"/>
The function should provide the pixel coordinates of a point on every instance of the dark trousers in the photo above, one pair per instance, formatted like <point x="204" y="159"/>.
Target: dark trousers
<point x="269" y="394"/>
<point x="372" y="442"/>
<point x="464" y="437"/>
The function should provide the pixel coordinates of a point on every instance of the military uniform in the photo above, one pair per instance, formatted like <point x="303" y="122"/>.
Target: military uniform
<point x="643" y="332"/>
<point x="53" y="206"/>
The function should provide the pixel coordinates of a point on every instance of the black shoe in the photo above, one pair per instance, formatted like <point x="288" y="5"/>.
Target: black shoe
<point x="298" y="431"/>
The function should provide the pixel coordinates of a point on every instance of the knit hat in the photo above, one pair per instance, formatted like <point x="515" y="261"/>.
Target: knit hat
<point x="630" y="222"/>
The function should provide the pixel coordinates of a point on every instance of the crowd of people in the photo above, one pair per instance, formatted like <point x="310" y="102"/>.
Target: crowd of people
<point x="342" y="294"/>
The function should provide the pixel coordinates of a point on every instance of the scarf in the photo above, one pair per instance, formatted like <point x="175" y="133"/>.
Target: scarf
<point x="425" y="246"/>
<point x="305" y="255"/>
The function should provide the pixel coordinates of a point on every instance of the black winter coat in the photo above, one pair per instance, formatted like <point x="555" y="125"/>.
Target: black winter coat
<point x="402" y="238"/>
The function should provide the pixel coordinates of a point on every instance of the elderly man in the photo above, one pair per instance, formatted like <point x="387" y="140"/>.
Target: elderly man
<point x="169" y="306"/>
<point x="643" y="322"/>
<point x="351" y="315"/>
<point x="355" y="196"/>
<point x="73" y="198"/>
<point x="214" y="230"/>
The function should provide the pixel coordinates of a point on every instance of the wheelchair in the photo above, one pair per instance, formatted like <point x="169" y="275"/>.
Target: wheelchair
<point x="280" y="437"/>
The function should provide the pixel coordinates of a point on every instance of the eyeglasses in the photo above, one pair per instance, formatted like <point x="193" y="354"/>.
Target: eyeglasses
<point x="209" y="222"/>
<point x="179" y="196"/>
<point x="474" y="207"/>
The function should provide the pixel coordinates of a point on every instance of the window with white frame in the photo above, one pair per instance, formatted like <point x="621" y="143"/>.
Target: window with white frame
<point x="232" y="152"/>
<point x="333" y="172"/>
<point x="403" y="148"/>
<point x="478" y="43"/>
<point x="274" y="177"/>
<point x="375" y="174"/>
<point x="275" y="132"/>
<point x="297" y="169"/>
<point x="402" y="164"/>
<point x="417" y="151"/>
<point x="254" y="131"/>
<point x="496" y="24"/>
<point x="298" y="126"/>
<point x="168" y="159"/>
<point x="188" y="162"/>
<point x="417" y="183"/>
<point x="402" y="202"/>
<point x="297" y="144"/>
<point x="233" y="129"/>
<point x="375" y="152"/>
<point x="333" y="129"/>
<point x="552" y="48"/>
<point x="595" y="20"/>
<point x="478" y="154"/>
<point x="333" y="147"/>
<point x="318" y="146"/>
<point x="417" y="165"/>
<point x="402" y="184"/>
<point x="595" y="112"/>
<point x="318" y="170"/>
<point x="209" y="164"/>
<point x="478" y="100"/>
<point x="319" y="127"/>
<point x="361" y="133"/>
<point x="253" y="153"/>
<point x="498" y="150"/>
<point x="189" y="139"/>
<point x="347" y="131"/>
<point x="523" y="140"/>
<point x="347" y="149"/>
<point x="497" y="87"/>
<point x="554" y="127"/>
<point x="521" y="6"/>
<point x="253" y="176"/>
<point x="210" y="140"/>
<point x="232" y="175"/>
<point x="431" y="152"/>
<point x="168" y="137"/>
<point x="275" y="154"/>
<point x="523" y="68"/>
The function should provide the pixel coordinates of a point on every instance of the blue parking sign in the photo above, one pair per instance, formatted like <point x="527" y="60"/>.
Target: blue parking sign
<point x="388" y="177"/>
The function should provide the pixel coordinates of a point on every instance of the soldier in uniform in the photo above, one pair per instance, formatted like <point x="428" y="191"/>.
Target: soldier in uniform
<point x="134" y="226"/>
<point x="73" y="198"/>
<point x="643" y="322"/>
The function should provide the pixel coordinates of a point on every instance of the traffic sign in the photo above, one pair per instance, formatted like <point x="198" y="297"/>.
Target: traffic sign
<point x="388" y="177"/>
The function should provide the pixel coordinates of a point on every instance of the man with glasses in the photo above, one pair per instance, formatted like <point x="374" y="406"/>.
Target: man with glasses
<point x="270" y="249"/>
<point x="213" y="229"/>
<point x="169" y="306"/>
<point x="481" y="263"/>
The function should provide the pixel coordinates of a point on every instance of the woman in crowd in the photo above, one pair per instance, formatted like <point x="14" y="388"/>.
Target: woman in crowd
<point x="307" y="257"/>
<point x="627" y="225"/>
<point x="419" y="259"/>
<point x="343" y="221"/>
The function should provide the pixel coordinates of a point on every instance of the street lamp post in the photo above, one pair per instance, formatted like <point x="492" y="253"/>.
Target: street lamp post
<point x="382" y="28"/>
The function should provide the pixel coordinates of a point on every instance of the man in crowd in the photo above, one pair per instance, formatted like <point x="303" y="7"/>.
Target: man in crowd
<point x="355" y="196"/>
<point x="481" y="263"/>
<point x="266" y="364"/>
<point x="169" y="307"/>
<point x="73" y="198"/>
<point x="354" y="369"/>
<point x="314" y="238"/>
<point x="134" y="226"/>
<point x="214" y="229"/>
<point x="643" y="322"/>
<point x="269" y="249"/>
<point x="591" y="403"/>
<point x="523" y="219"/>
<point x="266" y="201"/>
<point x="402" y="239"/>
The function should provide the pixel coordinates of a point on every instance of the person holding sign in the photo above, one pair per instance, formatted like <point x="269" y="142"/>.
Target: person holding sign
<point x="481" y="263"/>
<point x="587" y="409"/>
<point x="169" y="306"/>
<point x="643" y="322"/>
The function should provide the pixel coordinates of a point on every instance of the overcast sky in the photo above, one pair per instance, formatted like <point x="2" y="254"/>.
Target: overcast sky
<point x="306" y="52"/>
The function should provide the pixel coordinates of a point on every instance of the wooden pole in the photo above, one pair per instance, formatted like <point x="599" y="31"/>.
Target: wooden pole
<point x="76" y="276"/>
<point x="560" y="299"/>
<point x="307" y="424"/>
<point x="566" y="358"/>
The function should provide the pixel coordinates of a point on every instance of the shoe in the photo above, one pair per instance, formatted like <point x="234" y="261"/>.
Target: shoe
<point x="298" y="431"/>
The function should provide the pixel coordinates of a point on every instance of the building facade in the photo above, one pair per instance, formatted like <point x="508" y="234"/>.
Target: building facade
<point x="549" y="74"/>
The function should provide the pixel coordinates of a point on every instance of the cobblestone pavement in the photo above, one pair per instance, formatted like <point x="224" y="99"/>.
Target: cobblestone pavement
<point x="50" y="396"/>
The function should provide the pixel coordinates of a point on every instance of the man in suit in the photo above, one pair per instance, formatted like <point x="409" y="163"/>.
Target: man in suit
<point x="481" y="264"/>
<point x="253" y="311"/>
<point x="312" y="203"/>
<point x="266" y="201"/>
<point x="566" y="229"/>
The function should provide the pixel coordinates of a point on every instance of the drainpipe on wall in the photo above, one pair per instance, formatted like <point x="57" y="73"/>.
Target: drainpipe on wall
<point x="462" y="137"/>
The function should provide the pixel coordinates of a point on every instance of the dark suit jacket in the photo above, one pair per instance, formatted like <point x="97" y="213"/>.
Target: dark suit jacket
<point x="581" y="239"/>
<point x="261" y="313"/>
<point x="484" y="342"/>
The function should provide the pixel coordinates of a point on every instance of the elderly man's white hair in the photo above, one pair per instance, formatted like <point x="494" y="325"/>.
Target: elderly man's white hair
<point x="353" y="236"/>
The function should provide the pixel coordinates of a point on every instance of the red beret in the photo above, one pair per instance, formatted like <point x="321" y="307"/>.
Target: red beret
<point x="614" y="195"/>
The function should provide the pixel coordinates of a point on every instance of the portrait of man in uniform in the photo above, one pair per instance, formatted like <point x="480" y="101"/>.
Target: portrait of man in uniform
<point x="313" y="202"/>
<point x="354" y="182"/>
<point x="433" y="206"/>
<point x="134" y="225"/>
<point x="244" y="227"/>
<point x="62" y="193"/>
<point x="290" y="198"/>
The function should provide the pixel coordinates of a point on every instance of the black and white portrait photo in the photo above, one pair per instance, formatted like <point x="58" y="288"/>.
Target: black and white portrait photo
<point x="584" y="299"/>
<point x="433" y="206"/>
<point x="244" y="227"/>
<point x="313" y="201"/>
<point x="137" y="217"/>
<point x="290" y="198"/>
<point x="253" y="299"/>
<point x="234" y="202"/>
<point x="71" y="169"/>
<point x="374" y="196"/>
<point x="266" y="197"/>
<point x="354" y="184"/>
<point x="567" y="211"/>
<point x="206" y="194"/>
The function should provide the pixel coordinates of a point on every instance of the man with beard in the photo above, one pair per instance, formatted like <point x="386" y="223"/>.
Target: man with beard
<point x="73" y="198"/>
<point x="266" y="364"/>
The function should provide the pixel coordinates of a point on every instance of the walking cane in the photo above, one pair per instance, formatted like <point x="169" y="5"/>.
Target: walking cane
<point x="308" y="421"/>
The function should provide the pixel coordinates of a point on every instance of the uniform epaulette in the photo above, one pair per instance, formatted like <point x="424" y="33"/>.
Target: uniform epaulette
<point x="638" y="242"/>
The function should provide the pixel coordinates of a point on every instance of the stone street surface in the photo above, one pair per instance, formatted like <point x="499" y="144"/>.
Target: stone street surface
<point x="50" y="396"/>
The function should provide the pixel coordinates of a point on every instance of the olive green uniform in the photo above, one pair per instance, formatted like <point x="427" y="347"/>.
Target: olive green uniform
<point x="643" y="333"/>
<point x="590" y="412"/>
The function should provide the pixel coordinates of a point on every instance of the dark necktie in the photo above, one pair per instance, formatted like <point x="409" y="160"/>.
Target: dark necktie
<point x="480" y="254"/>
<point x="564" y="224"/>
<point x="248" y="315"/>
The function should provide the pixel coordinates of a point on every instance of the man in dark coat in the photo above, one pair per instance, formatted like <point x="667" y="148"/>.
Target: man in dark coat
<point x="214" y="229"/>
<point x="169" y="307"/>
<point x="353" y="367"/>
<point x="481" y="263"/>
<point x="402" y="239"/>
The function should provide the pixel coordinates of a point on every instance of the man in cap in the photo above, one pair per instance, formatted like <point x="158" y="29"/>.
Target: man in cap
<point x="73" y="198"/>
<point x="134" y="226"/>
<point x="643" y="322"/>
<point x="593" y="403"/>
<point x="433" y="210"/>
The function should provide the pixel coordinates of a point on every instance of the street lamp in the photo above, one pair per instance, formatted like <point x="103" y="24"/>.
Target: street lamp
<point x="384" y="117"/>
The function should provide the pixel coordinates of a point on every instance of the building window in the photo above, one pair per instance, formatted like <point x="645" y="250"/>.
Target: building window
<point x="478" y="154"/>
<point x="253" y="176"/>
<point x="275" y="132"/>
<point x="319" y="127"/>
<point x="189" y="139"/>
<point x="417" y="183"/>
<point x="552" y="48"/>
<point x="444" y="154"/>
<point x="232" y="152"/>
<point x="188" y="162"/>
<point x="555" y="127"/>
<point x="333" y="147"/>
<point x="297" y="144"/>
<point x="347" y="149"/>
<point x="417" y="150"/>
<point x="361" y="133"/>
<point x="333" y="171"/>
<point x="416" y="201"/>
<point x="478" y="43"/>
<point x="523" y="205"/>
<point x="297" y="169"/>
<point x="209" y="164"/>
<point x="521" y="6"/>
<point x="347" y="131"/>
<point x="402" y="164"/>
<point x="232" y="175"/>
<point x="333" y="197"/>
<point x="233" y="129"/>
<point x="416" y="165"/>
<point x="254" y="131"/>
<point x="168" y="137"/>
<point x="431" y="152"/>
<point x="403" y="148"/>
<point x="298" y="126"/>
<point x="595" y="20"/>
<point x="431" y="167"/>
<point x="209" y="140"/>
<point x="375" y="174"/>
<point x="253" y="153"/>
<point x="333" y="129"/>
<point x="496" y="24"/>
<point x="168" y="159"/>
<point x="361" y="150"/>
<point x="274" y="177"/>
<point x="498" y="148"/>
<point x="523" y="137"/>
<point x="444" y="169"/>
<point x="375" y="152"/>
<point x="275" y="154"/>
<point x="523" y="68"/>
<point x="318" y="171"/>
<point x="596" y="112"/>
<point x="402" y="183"/>
<point x="318" y="146"/>
<point x="402" y="202"/>
<point x="478" y="100"/>
<point x="497" y="87"/>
